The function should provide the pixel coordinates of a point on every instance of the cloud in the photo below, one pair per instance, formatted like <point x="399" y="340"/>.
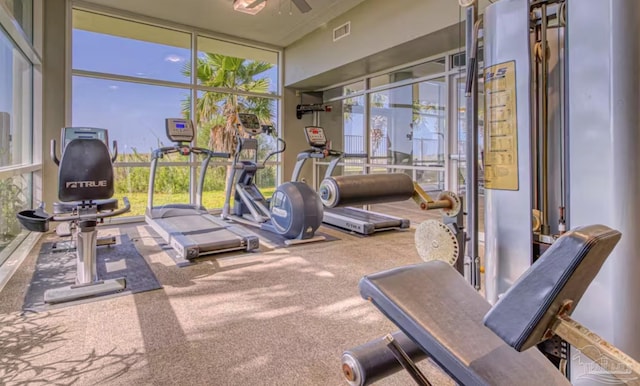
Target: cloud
<point x="113" y="87"/>
<point x="174" y="58"/>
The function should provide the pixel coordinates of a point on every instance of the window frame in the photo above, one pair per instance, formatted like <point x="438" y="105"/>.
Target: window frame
<point x="193" y="86"/>
<point x="31" y="49"/>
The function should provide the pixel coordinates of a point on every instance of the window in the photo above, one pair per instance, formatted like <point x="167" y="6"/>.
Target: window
<point x="135" y="116"/>
<point x="15" y="195"/>
<point x="414" y="72"/>
<point x="128" y="76"/>
<point x="16" y="119"/>
<point x="256" y="69"/>
<point x="115" y="46"/>
<point x="15" y="105"/>
<point x="22" y="11"/>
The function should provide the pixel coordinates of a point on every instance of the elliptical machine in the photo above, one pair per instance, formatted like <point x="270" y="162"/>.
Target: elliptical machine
<point x="85" y="188"/>
<point x="295" y="211"/>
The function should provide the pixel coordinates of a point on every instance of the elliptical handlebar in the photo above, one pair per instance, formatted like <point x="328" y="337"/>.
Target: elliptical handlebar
<point x="284" y="147"/>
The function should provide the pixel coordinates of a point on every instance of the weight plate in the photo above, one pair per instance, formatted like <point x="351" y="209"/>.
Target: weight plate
<point x="435" y="241"/>
<point x="456" y="204"/>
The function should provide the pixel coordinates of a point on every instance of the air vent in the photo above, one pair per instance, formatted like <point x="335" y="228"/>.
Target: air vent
<point x="342" y="31"/>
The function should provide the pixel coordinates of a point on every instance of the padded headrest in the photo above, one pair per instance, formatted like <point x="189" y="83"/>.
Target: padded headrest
<point x="86" y="171"/>
<point x="525" y="312"/>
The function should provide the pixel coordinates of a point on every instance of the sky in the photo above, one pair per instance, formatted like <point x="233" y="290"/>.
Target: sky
<point x="133" y="113"/>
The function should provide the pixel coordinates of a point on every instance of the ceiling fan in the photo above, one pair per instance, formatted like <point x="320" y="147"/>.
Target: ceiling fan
<point x="302" y="5"/>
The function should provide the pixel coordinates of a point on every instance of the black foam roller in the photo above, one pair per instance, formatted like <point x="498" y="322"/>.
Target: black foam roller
<point x="362" y="189"/>
<point x="373" y="361"/>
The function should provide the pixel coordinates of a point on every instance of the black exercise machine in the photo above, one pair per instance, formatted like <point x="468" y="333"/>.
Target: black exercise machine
<point x="85" y="190"/>
<point x="388" y="188"/>
<point x="476" y="344"/>
<point x="295" y="210"/>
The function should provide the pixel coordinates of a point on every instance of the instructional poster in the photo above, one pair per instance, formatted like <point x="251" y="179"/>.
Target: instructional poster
<point x="501" y="127"/>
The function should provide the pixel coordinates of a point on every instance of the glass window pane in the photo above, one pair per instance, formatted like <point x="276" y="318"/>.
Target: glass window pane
<point x="390" y="126"/>
<point x="429" y="123"/>
<point x="353" y="126"/>
<point x="214" y="112"/>
<point x="15" y="195"/>
<point x="255" y="70"/>
<point x="22" y="11"/>
<point x="116" y="46"/>
<point x="15" y="105"/>
<point x="135" y="116"/>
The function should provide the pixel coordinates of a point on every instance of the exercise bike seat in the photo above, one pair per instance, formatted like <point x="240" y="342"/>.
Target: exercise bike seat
<point x="435" y="306"/>
<point x="100" y="205"/>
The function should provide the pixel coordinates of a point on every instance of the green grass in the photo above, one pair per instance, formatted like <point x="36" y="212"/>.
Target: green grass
<point x="211" y="200"/>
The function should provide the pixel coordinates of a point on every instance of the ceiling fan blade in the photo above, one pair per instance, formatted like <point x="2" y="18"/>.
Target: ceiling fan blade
<point x="256" y="3"/>
<point x="302" y="5"/>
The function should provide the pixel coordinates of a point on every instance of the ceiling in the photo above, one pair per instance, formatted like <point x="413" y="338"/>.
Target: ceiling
<point x="279" y="24"/>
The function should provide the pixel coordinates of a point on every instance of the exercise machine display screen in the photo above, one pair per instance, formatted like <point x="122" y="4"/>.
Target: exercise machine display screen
<point x="315" y="136"/>
<point x="180" y="130"/>
<point x="71" y="133"/>
<point x="250" y="123"/>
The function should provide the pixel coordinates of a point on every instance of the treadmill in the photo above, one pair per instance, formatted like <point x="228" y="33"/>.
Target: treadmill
<point x="189" y="228"/>
<point x="349" y="219"/>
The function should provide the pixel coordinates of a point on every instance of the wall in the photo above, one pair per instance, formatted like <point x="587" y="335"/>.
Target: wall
<point x="293" y="133"/>
<point x="54" y="91"/>
<point x="376" y="25"/>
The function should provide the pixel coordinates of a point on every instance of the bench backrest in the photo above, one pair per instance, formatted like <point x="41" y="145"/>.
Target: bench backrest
<point x="524" y="313"/>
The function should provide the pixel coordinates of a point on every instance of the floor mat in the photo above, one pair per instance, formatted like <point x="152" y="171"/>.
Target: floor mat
<point x="56" y="267"/>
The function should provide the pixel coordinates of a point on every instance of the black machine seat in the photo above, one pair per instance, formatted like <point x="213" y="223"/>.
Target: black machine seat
<point x="435" y="306"/>
<point x="71" y="206"/>
<point x="86" y="171"/>
<point x="523" y="314"/>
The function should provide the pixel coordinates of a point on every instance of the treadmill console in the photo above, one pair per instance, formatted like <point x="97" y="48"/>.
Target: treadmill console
<point x="71" y="133"/>
<point x="315" y="136"/>
<point x="250" y="123"/>
<point x="180" y="130"/>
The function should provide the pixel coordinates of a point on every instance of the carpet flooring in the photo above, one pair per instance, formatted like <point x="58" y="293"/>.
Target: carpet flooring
<point x="277" y="317"/>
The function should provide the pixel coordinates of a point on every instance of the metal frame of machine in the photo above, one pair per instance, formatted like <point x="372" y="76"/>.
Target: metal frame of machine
<point x="83" y="205"/>
<point x="559" y="140"/>
<point x="349" y="219"/>
<point x="295" y="210"/>
<point x="189" y="228"/>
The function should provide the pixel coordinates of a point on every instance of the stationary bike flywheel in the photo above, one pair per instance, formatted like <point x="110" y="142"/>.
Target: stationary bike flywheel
<point x="435" y="241"/>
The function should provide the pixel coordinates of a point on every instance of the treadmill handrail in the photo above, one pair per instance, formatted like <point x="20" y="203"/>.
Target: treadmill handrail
<point x="158" y="153"/>
<point x="184" y="149"/>
<point x="322" y="153"/>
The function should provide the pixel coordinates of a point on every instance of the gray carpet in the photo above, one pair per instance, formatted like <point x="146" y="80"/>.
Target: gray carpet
<point x="278" y="241"/>
<point x="268" y="241"/>
<point x="278" y="317"/>
<point x="56" y="267"/>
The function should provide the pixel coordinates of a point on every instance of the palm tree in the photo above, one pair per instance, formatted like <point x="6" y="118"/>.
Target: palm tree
<point x="216" y="111"/>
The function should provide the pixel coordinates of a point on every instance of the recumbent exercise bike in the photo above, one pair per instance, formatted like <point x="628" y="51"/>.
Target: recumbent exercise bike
<point x="85" y="190"/>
